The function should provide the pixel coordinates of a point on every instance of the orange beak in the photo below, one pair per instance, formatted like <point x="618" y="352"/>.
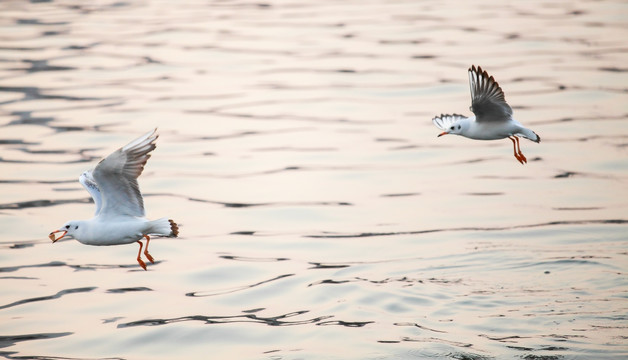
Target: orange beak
<point x="51" y="236"/>
<point x="443" y="133"/>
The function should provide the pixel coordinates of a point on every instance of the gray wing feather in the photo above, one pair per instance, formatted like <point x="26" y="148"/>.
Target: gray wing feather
<point x="487" y="98"/>
<point x="87" y="180"/>
<point x="116" y="176"/>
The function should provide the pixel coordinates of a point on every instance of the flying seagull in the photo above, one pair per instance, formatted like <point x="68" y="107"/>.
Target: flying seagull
<point x="120" y="217"/>
<point x="493" y="116"/>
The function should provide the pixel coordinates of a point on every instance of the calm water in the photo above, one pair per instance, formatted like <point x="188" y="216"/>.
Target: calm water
<point x="321" y="217"/>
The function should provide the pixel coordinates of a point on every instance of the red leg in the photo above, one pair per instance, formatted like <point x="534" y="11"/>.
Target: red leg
<point x="514" y="146"/>
<point x="519" y="151"/>
<point x="150" y="258"/>
<point x="142" y="264"/>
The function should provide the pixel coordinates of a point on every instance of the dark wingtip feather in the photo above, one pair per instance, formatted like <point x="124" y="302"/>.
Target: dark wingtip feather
<point x="490" y="81"/>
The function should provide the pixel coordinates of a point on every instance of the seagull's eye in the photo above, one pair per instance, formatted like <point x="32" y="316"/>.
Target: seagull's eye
<point x="76" y="227"/>
<point x="67" y="226"/>
<point x="458" y="127"/>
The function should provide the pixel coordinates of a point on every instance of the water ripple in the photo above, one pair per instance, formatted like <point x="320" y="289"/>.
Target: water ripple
<point x="280" y="320"/>
<point x="251" y="259"/>
<point x="130" y="289"/>
<point x="328" y="235"/>
<point x="50" y="297"/>
<point x="235" y="289"/>
<point x="42" y="203"/>
<point x="10" y="340"/>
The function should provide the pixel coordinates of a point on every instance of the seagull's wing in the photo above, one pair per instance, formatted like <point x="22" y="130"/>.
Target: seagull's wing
<point x="116" y="177"/>
<point x="87" y="180"/>
<point x="487" y="98"/>
<point x="443" y="121"/>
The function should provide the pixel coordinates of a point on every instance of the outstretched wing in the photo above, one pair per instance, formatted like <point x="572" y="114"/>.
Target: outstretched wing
<point x="487" y="98"/>
<point x="116" y="177"/>
<point x="87" y="180"/>
<point x="444" y="121"/>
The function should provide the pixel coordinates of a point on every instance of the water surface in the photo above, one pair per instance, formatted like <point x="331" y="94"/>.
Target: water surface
<point x="321" y="217"/>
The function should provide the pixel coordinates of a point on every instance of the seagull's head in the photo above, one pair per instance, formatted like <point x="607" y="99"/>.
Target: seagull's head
<point x="451" y="124"/>
<point x="68" y="229"/>
<point x="454" y="129"/>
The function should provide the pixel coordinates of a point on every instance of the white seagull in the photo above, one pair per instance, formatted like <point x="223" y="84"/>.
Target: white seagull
<point x="493" y="116"/>
<point x="119" y="217"/>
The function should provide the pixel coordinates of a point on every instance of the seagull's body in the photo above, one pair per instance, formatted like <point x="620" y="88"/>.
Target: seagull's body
<point x="101" y="231"/>
<point x="493" y="116"/>
<point x="120" y="217"/>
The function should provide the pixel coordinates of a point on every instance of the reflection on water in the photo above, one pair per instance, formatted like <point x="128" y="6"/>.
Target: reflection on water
<point x="320" y="216"/>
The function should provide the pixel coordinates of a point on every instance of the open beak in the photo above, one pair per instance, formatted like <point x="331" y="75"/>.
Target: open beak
<point x="443" y="133"/>
<point x="51" y="236"/>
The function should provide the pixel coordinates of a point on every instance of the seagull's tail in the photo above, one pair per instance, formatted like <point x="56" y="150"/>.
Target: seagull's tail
<point x="164" y="227"/>
<point x="528" y="134"/>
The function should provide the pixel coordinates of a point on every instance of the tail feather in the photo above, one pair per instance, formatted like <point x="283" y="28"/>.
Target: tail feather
<point x="538" y="138"/>
<point x="175" y="228"/>
<point x="529" y="134"/>
<point x="164" y="227"/>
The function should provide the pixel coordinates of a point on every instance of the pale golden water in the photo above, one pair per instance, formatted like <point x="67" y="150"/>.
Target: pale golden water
<point x="321" y="217"/>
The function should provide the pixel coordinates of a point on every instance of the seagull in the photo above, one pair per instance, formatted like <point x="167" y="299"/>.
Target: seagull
<point x="119" y="217"/>
<point x="493" y="116"/>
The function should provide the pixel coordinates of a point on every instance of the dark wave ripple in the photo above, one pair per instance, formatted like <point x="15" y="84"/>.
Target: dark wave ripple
<point x="280" y="320"/>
